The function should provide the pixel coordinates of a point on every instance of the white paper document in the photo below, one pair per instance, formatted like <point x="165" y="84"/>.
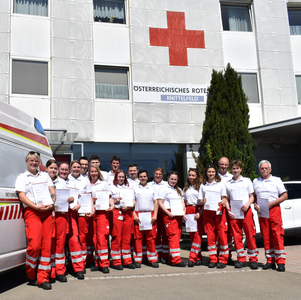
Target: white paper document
<point x="74" y="194"/>
<point x="85" y="203"/>
<point x="236" y="209"/>
<point x="239" y="194"/>
<point x="41" y="193"/>
<point x="176" y="206"/>
<point x="127" y="196"/>
<point x="212" y="200"/>
<point x="145" y="221"/>
<point x="103" y="200"/>
<point x="61" y="202"/>
<point x="191" y="223"/>
<point x="264" y="208"/>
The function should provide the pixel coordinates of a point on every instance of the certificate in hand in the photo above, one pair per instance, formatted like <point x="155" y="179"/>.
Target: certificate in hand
<point x="191" y="223"/>
<point x="176" y="206"/>
<point x="61" y="202"/>
<point x="85" y="203"/>
<point x="212" y="200"/>
<point x="103" y="200"/>
<point x="41" y="193"/>
<point x="127" y="196"/>
<point x="74" y="194"/>
<point x="264" y="208"/>
<point x="145" y="221"/>
<point x="236" y="209"/>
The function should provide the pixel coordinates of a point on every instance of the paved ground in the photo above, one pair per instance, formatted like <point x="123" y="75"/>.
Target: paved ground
<point x="171" y="283"/>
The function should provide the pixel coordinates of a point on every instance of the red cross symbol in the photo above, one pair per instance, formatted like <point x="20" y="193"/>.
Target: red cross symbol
<point x="176" y="38"/>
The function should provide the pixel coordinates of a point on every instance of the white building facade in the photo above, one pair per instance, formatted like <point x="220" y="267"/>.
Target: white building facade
<point x="130" y="76"/>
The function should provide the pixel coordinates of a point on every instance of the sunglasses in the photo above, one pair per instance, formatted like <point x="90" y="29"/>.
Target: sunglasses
<point x="34" y="153"/>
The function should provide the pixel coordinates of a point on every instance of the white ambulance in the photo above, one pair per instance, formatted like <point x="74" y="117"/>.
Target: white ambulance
<point x="19" y="134"/>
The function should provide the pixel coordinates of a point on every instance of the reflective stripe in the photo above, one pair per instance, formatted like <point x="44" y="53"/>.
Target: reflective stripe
<point x="175" y="254"/>
<point x="282" y="256"/>
<point x="166" y="246"/>
<point x="269" y="251"/>
<point x="89" y="247"/>
<point x="240" y="250"/>
<point x="75" y="253"/>
<point x="165" y="251"/>
<point x="126" y="251"/>
<point x="223" y="247"/>
<point x="42" y="267"/>
<point x="126" y="256"/>
<point x="74" y="260"/>
<point x="31" y="265"/>
<point x="116" y="256"/>
<point x="102" y="251"/>
<point x="196" y="245"/>
<point x="151" y="253"/>
<point x="159" y="246"/>
<point x="211" y="247"/>
<point x="103" y="257"/>
<point x="194" y="250"/>
<point x="53" y="264"/>
<point x="270" y="255"/>
<point x="59" y="255"/>
<point x="60" y="261"/>
<point x="139" y="254"/>
<point x="84" y="252"/>
<point x="279" y="251"/>
<point x="224" y="252"/>
<point x="115" y="252"/>
<point x="152" y="258"/>
<point x="89" y="252"/>
<point x="31" y="258"/>
<point x="45" y="259"/>
<point x="253" y="254"/>
<point x="52" y="256"/>
<point x="174" y="249"/>
<point x="138" y="259"/>
<point x="240" y="254"/>
<point x="252" y="251"/>
<point x="212" y="252"/>
<point x="144" y="247"/>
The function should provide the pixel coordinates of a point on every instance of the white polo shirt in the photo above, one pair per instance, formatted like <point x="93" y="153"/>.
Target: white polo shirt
<point x="192" y="196"/>
<point x="110" y="177"/>
<point x="132" y="182"/>
<point x="99" y="185"/>
<point x="226" y="177"/>
<point x="270" y="188"/>
<point x="115" y="192"/>
<point x="157" y="186"/>
<point x="214" y="187"/>
<point x="144" y="197"/>
<point x="25" y="180"/>
<point x="81" y="183"/>
<point x="239" y="190"/>
<point x="104" y="175"/>
<point x="167" y="192"/>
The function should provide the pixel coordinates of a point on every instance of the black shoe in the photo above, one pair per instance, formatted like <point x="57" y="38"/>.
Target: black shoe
<point x="191" y="264"/>
<point x="80" y="275"/>
<point x="269" y="266"/>
<point x="212" y="265"/>
<point x="61" y="278"/>
<point x="230" y="262"/>
<point x="45" y="285"/>
<point x="220" y="265"/>
<point x="94" y="268"/>
<point x="180" y="264"/>
<point x="138" y="265"/>
<point x="33" y="282"/>
<point x="198" y="263"/>
<point x="254" y="265"/>
<point x="105" y="270"/>
<point x="118" y="267"/>
<point x="164" y="261"/>
<point x="281" y="268"/>
<point x="130" y="266"/>
<point x="240" y="264"/>
<point x="155" y="265"/>
<point x="52" y="280"/>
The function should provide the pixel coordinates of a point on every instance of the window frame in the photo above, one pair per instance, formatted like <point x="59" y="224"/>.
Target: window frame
<point x="298" y="91"/>
<point x="258" y="85"/>
<point x="111" y="100"/>
<point x="29" y="15"/>
<point x="293" y="8"/>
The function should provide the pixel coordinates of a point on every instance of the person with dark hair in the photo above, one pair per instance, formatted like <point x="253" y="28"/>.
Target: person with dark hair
<point x="39" y="221"/>
<point x="145" y="203"/>
<point x="84" y="164"/>
<point x="123" y="222"/>
<point x="95" y="160"/>
<point x="212" y="193"/>
<point x="133" y="172"/>
<point x="240" y="189"/>
<point x="115" y="165"/>
<point x="173" y="223"/>
<point x="194" y="207"/>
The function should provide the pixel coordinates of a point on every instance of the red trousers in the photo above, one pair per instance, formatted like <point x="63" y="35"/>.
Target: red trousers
<point x="272" y="232"/>
<point x="195" y="237"/>
<point x="86" y="233"/>
<point x="230" y="236"/>
<point x="173" y="231"/>
<point x="149" y="236"/>
<point x="123" y="224"/>
<point x="161" y="239"/>
<point x="73" y="241"/>
<point x="39" y="227"/>
<point x="247" y="224"/>
<point x="216" y="228"/>
<point x="102" y="229"/>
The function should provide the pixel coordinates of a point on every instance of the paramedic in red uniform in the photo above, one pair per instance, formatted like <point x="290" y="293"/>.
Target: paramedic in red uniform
<point x="145" y="203"/>
<point x="215" y="222"/>
<point x="270" y="187"/>
<point x="194" y="207"/>
<point x="39" y="222"/>
<point x="173" y="224"/>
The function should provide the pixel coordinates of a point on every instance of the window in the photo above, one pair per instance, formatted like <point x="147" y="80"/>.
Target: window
<point x="236" y="18"/>
<point x="250" y="86"/>
<point x="110" y="11"/>
<point x="31" y="7"/>
<point x="298" y="85"/>
<point x="294" y="16"/>
<point x="111" y="83"/>
<point x="29" y="77"/>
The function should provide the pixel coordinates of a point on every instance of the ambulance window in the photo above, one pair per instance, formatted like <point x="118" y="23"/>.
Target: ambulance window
<point x="12" y="163"/>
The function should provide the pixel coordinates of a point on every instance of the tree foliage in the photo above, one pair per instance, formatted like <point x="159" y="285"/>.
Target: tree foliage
<point x="225" y="129"/>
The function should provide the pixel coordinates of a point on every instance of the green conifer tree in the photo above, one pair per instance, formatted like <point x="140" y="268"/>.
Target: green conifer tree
<point x="225" y="129"/>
